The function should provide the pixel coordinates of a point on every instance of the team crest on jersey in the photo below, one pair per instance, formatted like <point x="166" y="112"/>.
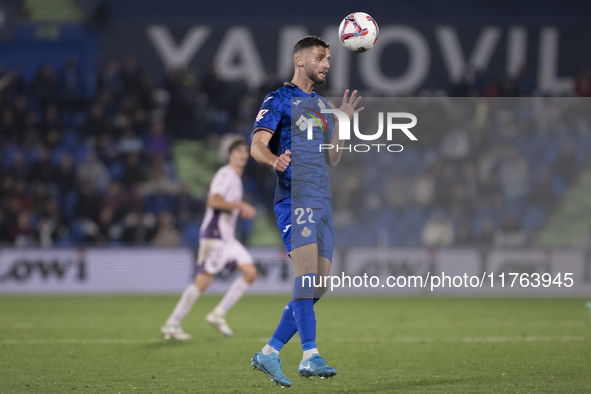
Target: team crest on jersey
<point x="321" y="104"/>
<point x="306" y="232"/>
<point x="262" y="113"/>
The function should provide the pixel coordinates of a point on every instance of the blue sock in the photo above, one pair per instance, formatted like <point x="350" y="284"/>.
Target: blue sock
<point x="306" y="322"/>
<point x="286" y="328"/>
<point x="303" y="309"/>
<point x="303" y="291"/>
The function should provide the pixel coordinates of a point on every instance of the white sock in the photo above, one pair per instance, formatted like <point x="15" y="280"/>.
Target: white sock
<point x="268" y="350"/>
<point x="190" y="295"/>
<point x="232" y="296"/>
<point x="309" y="353"/>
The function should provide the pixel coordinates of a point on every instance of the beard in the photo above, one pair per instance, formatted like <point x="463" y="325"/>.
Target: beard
<point x="315" y="78"/>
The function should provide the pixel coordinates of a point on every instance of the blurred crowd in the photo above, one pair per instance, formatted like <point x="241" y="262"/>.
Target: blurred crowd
<point x="80" y="169"/>
<point x="484" y="171"/>
<point x="83" y="168"/>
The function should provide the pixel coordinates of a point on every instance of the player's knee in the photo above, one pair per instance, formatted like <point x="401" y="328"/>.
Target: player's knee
<point x="250" y="275"/>
<point x="303" y="286"/>
<point x="320" y="291"/>
<point x="202" y="286"/>
<point x="202" y="282"/>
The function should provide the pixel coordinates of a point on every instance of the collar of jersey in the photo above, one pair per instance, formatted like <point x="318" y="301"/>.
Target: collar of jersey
<point x="293" y="86"/>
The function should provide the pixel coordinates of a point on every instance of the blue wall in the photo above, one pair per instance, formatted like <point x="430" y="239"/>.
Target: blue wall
<point x="310" y="11"/>
<point x="32" y="45"/>
<point x="564" y="54"/>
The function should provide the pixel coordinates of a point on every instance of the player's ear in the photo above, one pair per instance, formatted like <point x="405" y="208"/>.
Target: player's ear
<point x="298" y="59"/>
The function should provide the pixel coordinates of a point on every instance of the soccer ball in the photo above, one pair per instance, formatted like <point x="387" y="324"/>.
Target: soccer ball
<point x="358" y="32"/>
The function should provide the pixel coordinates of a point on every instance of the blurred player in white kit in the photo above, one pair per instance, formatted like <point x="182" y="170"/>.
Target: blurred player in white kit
<point x="218" y="246"/>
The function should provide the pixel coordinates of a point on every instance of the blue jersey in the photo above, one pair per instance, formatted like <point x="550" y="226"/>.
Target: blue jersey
<point x="308" y="165"/>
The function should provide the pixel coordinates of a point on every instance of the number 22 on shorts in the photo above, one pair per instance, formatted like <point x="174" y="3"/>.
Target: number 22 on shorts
<point x="299" y="212"/>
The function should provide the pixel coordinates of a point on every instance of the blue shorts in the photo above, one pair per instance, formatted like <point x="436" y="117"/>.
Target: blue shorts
<point x="306" y="222"/>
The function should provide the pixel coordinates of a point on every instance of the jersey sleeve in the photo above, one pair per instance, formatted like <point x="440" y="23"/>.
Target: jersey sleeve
<point x="269" y="116"/>
<point x="221" y="183"/>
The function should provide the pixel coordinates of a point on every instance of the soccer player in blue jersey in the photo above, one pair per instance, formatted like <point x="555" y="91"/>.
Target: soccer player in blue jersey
<point x="309" y="237"/>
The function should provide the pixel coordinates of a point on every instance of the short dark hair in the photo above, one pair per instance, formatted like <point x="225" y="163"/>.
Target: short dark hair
<point x="310" y="42"/>
<point x="238" y="141"/>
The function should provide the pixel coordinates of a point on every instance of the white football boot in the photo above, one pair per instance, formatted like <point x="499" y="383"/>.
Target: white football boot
<point x="219" y="322"/>
<point x="175" y="332"/>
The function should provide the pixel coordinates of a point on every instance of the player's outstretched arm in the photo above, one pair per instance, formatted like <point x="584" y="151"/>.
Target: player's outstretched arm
<point x="247" y="211"/>
<point x="348" y="106"/>
<point x="218" y="203"/>
<point x="261" y="153"/>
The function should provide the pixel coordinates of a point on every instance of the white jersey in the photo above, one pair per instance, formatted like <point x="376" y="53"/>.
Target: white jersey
<point x="217" y="224"/>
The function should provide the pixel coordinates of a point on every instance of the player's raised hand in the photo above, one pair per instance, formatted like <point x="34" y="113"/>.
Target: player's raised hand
<point x="247" y="211"/>
<point x="349" y="105"/>
<point x="283" y="161"/>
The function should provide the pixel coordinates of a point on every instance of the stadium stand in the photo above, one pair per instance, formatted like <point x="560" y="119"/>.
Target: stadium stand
<point x="82" y="168"/>
<point x="496" y="185"/>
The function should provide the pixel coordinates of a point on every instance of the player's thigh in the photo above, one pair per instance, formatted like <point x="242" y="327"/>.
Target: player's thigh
<point x="325" y="233"/>
<point x="324" y="266"/>
<point x="249" y="272"/>
<point x="305" y="259"/>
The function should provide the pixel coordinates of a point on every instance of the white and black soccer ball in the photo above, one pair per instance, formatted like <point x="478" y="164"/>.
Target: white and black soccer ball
<point x="358" y="32"/>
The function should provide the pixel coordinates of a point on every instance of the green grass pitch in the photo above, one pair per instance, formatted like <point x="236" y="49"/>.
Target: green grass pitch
<point x="104" y="344"/>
